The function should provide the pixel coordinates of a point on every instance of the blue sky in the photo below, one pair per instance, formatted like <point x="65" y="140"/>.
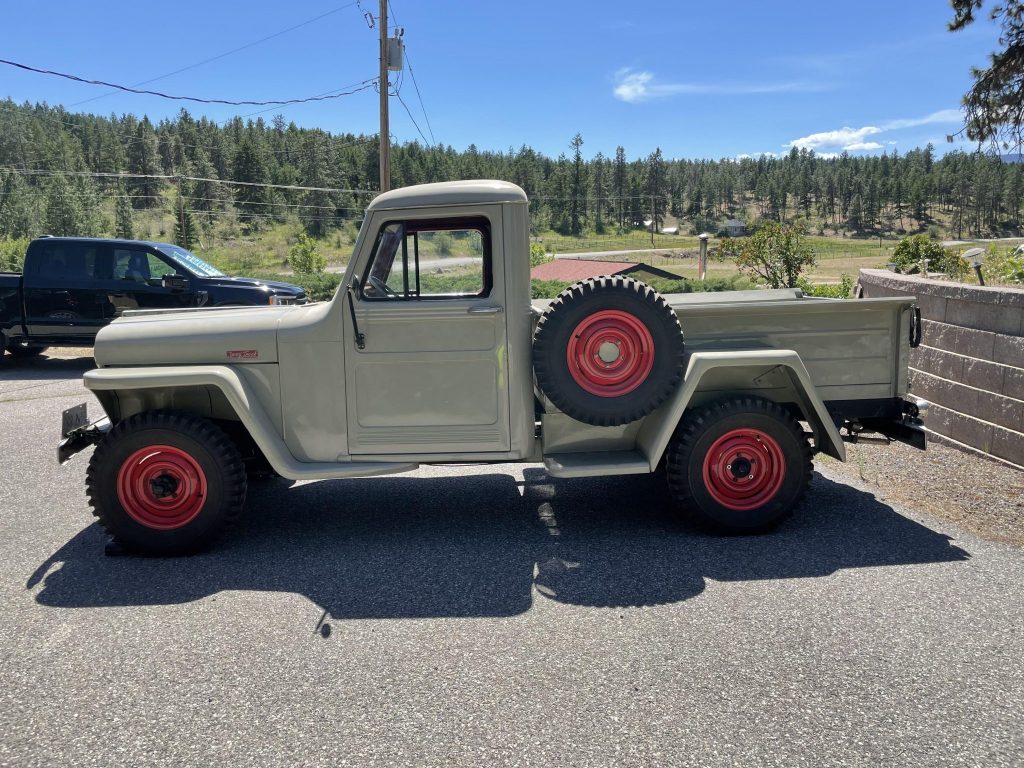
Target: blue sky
<point x="696" y="79"/>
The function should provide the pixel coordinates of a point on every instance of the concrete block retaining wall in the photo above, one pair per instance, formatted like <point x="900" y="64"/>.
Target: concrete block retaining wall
<point x="970" y="364"/>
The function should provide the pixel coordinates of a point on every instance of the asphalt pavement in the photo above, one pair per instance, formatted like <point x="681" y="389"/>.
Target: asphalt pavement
<point x="490" y="615"/>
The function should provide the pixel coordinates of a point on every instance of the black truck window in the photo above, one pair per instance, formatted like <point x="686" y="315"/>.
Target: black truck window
<point x="66" y="261"/>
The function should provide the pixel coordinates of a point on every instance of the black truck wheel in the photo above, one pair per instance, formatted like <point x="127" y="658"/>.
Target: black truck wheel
<point x="741" y="465"/>
<point x="166" y="483"/>
<point x="608" y="351"/>
<point x="23" y="351"/>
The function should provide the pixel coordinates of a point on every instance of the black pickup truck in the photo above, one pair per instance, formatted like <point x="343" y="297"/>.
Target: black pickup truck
<point x="73" y="286"/>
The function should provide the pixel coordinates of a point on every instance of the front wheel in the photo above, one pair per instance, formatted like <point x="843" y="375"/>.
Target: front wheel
<point x="166" y="483"/>
<point x="741" y="465"/>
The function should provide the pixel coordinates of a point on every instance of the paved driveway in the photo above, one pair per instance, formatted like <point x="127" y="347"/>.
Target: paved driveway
<point x="490" y="615"/>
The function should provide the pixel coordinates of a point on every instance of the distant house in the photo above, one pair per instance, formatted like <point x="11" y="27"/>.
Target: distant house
<point x="735" y="228"/>
<point x="670" y="230"/>
<point x="569" y="270"/>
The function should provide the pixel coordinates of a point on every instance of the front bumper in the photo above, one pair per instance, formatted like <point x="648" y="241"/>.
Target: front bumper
<point x="77" y="433"/>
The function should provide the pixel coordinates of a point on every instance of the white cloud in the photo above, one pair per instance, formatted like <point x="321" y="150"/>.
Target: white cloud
<point x="942" y="116"/>
<point x="754" y="155"/>
<point x="843" y="137"/>
<point x="826" y="155"/>
<point x="635" y="87"/>
<point x="826" y="143"/>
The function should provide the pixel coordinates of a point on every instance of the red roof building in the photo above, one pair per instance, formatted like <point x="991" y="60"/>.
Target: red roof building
<point x="569" y="270"/>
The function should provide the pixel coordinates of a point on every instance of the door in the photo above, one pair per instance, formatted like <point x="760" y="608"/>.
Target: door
<point x="431" y="376"/>
<point x="63" y="290"/>
<point x="138" y="281"/>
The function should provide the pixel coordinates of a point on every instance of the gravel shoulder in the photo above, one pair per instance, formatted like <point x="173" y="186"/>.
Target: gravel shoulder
<point x="977" y="495"/>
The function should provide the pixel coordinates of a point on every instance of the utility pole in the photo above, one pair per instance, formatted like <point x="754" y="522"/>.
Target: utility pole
<point x="385" y="131"/>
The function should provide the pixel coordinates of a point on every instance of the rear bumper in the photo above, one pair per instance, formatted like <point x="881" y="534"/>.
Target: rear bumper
<point x="907" y="428"/>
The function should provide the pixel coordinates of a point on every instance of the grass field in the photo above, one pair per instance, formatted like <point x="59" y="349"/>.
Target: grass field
<point x="231" y="248"/>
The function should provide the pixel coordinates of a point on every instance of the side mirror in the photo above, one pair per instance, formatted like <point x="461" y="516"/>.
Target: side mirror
<point x="174" y="282"/>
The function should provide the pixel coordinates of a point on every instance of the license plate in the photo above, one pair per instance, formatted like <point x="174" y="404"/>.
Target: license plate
<point x="72" y="419"/>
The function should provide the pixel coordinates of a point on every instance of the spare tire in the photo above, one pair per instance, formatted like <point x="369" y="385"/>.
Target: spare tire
<point x="608" y="351"/>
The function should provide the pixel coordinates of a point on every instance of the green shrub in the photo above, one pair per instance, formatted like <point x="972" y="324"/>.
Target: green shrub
<point x="319" y="286"/>
<point x="304" y="258"/>
<point x="842" y="291"/>
<point x="1003" y="265"/>
<point x="549" y="289"/>
<point x="538" y="255"/>
<point x="911" y="251"/>
<point x="12" y="254"/>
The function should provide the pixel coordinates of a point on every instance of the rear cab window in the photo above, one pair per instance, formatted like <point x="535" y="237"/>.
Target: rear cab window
<point x="60" y="261"/>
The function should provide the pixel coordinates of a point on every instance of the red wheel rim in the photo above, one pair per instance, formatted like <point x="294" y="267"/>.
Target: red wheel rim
<point x="744" y="469"/>
<point x="610" y="353"/>
<point x="161" y="487"/>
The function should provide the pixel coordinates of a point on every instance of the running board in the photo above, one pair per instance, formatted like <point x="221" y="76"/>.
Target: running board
<point x="597" y="463"/>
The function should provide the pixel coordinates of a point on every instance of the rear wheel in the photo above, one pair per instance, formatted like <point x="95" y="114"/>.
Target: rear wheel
<point x="741" y="465"/>
<point x="166" y="483"/>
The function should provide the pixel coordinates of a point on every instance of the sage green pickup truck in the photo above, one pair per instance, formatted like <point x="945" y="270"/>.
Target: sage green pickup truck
<point x="432" y="352"/>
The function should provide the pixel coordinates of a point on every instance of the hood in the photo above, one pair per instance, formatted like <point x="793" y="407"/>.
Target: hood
<point x="230" y="335"/>
<point x="252" y="282"/>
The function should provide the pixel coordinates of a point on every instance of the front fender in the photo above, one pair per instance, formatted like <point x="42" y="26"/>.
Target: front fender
<point x="657" y="429"/>
<point x="245" y="406"/>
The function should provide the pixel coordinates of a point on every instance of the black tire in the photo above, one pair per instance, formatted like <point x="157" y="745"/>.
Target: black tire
<point x="741" y="465"/>
<point x="25" y="351"/>
<point x="177" y="499"/>
<point x="627" y="315"/>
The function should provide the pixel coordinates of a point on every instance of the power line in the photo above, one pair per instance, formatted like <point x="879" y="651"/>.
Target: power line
<point x="416" y="86"/>
<point x="173" y="133"/>
<point x="402" y="102"/>
<point x="165" y="177"/>
<point x="422" y="105"/>
<point x="325" y="94"/>
<point x="225" y="54"/>
<point x="272" y="102"/>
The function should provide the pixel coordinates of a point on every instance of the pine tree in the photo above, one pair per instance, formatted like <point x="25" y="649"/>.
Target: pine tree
<point x="144" y="159"/>
<point x="62" y="213"/>
<point x="578" y="190"/>
<point x="124" y="228"/>
<point x="656" y="188"/>
<point x="619" y="182"/>
<point x="184" y="225"/>
<point x="250" y="165"/>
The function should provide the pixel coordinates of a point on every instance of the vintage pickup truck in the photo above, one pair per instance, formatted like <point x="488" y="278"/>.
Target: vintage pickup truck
<point x="73" y="286"/>
<point x="407" y="367"/>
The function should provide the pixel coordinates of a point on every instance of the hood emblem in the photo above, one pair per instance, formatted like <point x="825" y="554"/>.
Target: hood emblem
<point x="243" y="354"/>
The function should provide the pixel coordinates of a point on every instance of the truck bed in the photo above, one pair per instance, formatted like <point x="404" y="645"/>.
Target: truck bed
<point x="853" y="349"/>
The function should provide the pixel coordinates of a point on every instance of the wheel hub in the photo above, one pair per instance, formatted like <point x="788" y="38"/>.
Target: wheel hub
<point x="161" y="487"/>
<point x="610" y="353"/>
<point x="744" y="469"/>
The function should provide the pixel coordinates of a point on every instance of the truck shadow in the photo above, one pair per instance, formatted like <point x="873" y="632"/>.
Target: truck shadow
<point x="484" y="545"/>
<point x="45" y="368"/>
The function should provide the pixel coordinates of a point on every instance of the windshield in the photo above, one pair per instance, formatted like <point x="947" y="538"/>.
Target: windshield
<point x="194" y="262"/>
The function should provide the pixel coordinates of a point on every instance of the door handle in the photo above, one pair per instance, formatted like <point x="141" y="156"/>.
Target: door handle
<point x="485" y="310"/>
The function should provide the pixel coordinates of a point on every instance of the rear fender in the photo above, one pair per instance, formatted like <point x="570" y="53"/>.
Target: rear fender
<point x="746" y="370"/>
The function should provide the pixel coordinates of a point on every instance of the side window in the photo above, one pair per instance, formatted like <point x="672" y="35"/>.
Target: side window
<point x="430" y="259"/>
<point x="66" y="261"/>
<point x="139" y="266"/>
